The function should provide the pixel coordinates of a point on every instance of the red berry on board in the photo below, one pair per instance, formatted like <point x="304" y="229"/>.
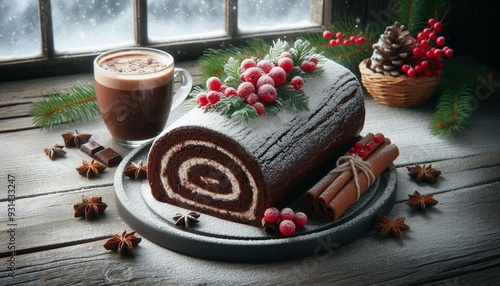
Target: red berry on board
<point x="265" y="79"/>
<point x="358" y="145"/>
<point x="213" y="96"/>
<point x="286" y="64"/>
<point x="260" y="108"/>
<point x="353" y="150"/>
<point x="339" y="35"/>
<point x="431" y="22"/>
<point x="265" y="65"/>
<point x="267" y="93"/>
<point x="327" y="35"/>
<point x="201" y="99"/>
<point x="245" y="88"/>
<point x="271" y="215"/>
<point x="377" y="139"/>
<point x="247" y="63"/>
<point x="287" y="227"/>
<point x="368" y="147"/>
<point x="437" y="27"/>
<point x="300" y="219"/>
<point x="287" y="214"/>
<point x="448" y="53"/>
<point x="214" y="83"/>
<point x="278" y="74"/>
<point x="297" y="82"/>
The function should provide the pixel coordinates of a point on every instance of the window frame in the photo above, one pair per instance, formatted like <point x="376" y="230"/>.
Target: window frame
<point x="52" y="64"/>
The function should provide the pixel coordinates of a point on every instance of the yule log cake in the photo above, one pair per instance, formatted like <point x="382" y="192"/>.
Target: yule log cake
<point x="234" y="170"/>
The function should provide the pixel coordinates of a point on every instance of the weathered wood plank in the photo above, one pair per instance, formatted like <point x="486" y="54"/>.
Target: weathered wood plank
<point x="457" y="237"/>
<point x="16" y="110"/>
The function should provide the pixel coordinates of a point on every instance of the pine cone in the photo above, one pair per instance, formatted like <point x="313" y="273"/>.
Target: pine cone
<point x="393" y="49"/>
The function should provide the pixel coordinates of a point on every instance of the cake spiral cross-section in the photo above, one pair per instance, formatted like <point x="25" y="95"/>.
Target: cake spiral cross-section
<point x="234" y="170"/>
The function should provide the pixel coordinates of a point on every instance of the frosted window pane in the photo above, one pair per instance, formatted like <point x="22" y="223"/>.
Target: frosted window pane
<point x="264" y="15"/>
<point x="189" y="19"/>
<point x="92" y="25"/>
<point x="19" y="29"/>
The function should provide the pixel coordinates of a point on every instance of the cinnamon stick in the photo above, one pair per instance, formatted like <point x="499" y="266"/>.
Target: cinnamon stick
<point x="380" y="160"/>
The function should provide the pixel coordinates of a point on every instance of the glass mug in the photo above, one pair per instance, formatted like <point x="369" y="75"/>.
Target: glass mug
<point x="134" y="92"/>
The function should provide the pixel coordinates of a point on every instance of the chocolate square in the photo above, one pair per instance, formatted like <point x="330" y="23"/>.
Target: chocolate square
<point x="108" y="157"/>
<point x="91" y="147"/>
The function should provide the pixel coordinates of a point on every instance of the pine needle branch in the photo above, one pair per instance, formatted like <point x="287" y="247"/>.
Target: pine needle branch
<point x="63" y="107"/>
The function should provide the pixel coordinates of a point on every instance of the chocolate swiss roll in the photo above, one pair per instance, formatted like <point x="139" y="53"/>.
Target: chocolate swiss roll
<point x="234" y="170"/>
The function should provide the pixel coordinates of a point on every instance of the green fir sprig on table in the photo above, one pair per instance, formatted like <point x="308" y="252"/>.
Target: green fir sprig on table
<point x="63" y="107"/>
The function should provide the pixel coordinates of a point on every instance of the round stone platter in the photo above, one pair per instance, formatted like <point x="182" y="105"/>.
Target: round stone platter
<point x="216" y="239"/>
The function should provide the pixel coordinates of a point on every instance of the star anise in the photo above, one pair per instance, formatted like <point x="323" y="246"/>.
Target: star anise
<point x="417" y="201"/>
<point x="90" y="208"/>
<point x="90" y="169"/>
<point x="427" y="174"/>
<point x="75" y="139"/>
<point x="123" y="243"/>
<point x="186" y="220"/>
<point x="55" y="151"/>
<point x="396" y="227"/>
<point x="136" y="171"/>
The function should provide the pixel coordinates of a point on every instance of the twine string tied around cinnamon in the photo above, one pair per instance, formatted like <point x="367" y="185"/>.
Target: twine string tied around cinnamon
<point x="355" y="164"/>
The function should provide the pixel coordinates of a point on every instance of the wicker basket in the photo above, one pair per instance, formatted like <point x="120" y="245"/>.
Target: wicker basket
<point x="399" y="91"/>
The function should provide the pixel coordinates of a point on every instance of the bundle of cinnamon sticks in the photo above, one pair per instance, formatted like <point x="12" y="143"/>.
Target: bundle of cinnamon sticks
<point x="354" y="174"/>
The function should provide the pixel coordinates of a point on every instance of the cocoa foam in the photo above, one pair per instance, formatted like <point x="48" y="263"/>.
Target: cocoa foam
<point x="133" y="69"/>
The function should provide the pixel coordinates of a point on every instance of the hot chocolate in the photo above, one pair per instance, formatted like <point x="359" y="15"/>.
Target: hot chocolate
<point x="134" y="92"/>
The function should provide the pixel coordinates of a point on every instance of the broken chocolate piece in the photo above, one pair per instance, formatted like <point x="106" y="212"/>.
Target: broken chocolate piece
<point x="91" y="147"/>
<point x="108" y="157"/>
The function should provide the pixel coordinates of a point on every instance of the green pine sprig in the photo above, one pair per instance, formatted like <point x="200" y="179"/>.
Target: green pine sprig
<point x="63" y="107"/>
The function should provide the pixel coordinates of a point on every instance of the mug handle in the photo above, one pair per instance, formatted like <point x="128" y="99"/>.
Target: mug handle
<point x="183" y="91"/>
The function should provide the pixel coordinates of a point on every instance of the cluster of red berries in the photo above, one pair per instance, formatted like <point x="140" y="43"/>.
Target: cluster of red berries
<point x="362" y="150"/>
<point x="259" y="80"/>
<point x="429" y="49"/>
<point x="287" y="220"/>
<point x="339" y="39"/>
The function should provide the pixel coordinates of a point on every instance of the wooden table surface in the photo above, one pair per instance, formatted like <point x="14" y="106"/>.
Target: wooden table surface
<point x="455" y="243"/>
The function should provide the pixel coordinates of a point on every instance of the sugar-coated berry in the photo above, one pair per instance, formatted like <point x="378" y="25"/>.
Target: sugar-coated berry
<point x="265" y="79"/>
<point x="327" y="35"/>
<point x="213" y="97"/>
<point x="314" y="60"/>
<point x="339" y="35"/>
<point x="297" y="82"/>
<point x="247" y="63"/>
<point x="286" y="64"/>
<point x="265" y="65"/>
<point x="230" y="91"/>
<point x="278" y="74"/>
<point x="252" y="75"/>
<point x="271" y="215"/>
<point x="308" y="66"/>
<point x="260" y="108"/>
<point x="267" y="93"/>
<point x="252" y="98"/>
<point x="245" y="88"/>
<point x="287" y="214"/>
<point x="287" y="227"/>
<point x="201" y="99"/>
<point x="214" y="83"/>
<point x="431" y="22"/>
<point x="286" y="55"/>
<point x="358" y="145"/>
<point x="300" y="219"/>
<point x="437" y="27"/>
